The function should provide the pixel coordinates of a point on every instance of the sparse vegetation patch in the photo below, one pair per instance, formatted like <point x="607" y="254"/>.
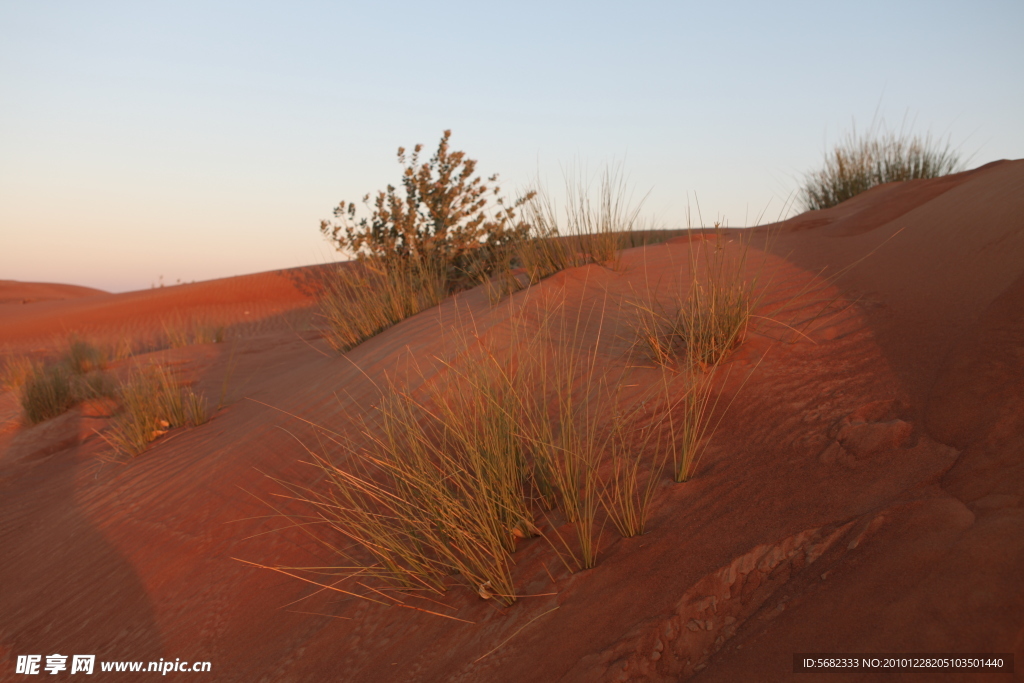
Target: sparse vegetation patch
<point x="859" y="162"/>
<point x="153" y="402"/>
<point x="47" y="389"/>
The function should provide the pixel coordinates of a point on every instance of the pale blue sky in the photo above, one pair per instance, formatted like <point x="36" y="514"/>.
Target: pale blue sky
<point x="196" y="140"/>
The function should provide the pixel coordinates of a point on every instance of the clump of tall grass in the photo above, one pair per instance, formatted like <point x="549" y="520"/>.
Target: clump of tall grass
<point x="445" y="482"/>
<point x="637" y="459"/>
<point x="709" y="312"/>
<point x="46" y="393"/>
<point x="691" y="338"/>
<point x="689" y="416"/>
<point x="713" y="318"/>
<point x="153" y="401"/>
<point x="17" y="370"/>
<point x="859" y="162"/>
<point x="176" y="333"/>
<point x="686" y="381"/>
<point x="363" y="299"/>
<point x="123" y="348"/>
<point x="595" y="228"/>
<point x="179" y="333"/>
<point x="438" y="492"/>
<point x="83" y="357"/>
<point x="208" y="333"/>
<point x="564" y="393"/>
<point x="47" y="389"/>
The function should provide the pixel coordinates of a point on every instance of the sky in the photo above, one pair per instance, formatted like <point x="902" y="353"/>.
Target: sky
<point x="148" y="142"/>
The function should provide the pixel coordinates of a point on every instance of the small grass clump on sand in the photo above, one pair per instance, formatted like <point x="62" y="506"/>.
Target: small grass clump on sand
<point x="689" y="418"/>
<point x="363" y="299"/>
<point x="628" y="490"/>
<point x="439" y="492"/>
<point x="83" y="357"/>
<point x="207" y="333"/>
<point x="179" y="333"/>
<point x="565" y="391"/>
<point x="152" y="401"/>
<point x="710" y="311"/>
<point x="47" y="389"/>
<point x="690" y="340"/>
<point x="714" y="316"/>
<point x="17" y="370"/>
<point x="595" y="229"/>
<point x="46" y="393"/>
<point x="859" y="162"/>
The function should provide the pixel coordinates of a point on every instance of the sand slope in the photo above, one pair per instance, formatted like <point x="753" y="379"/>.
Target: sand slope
<point x="43" y="315"/>
<point x="13" y="291"/>
<point x="863" y="492"/>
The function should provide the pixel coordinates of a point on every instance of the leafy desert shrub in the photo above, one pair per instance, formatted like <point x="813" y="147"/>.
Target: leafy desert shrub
<point x="446" y="215"/>
<point x="153" y="401"/>
<point x="450" y="231"/>
<point x="860" y="162"/>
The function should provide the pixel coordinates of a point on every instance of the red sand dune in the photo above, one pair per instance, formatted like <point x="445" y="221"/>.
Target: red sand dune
<point x="863" y="493"/>
<point x="12" y="291"/>
<point x="38" y="314"/>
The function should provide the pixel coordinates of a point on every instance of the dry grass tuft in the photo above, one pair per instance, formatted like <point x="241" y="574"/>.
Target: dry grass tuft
<point x="179" y="333"/>
<point x="637" y="462"/>
<point x="17" y="370"/>
<point x="153" y="402"/>
<point x="595" y="228"/>
<point x="361" y="300"/>
<point x="47" y="389"/>
<point x="445" y="482"/>
<point x="46" y="393"/>
<point x="710" y="311"/>
<point x="83" y="357"/>
<point x="691" y="338"/>
<point x="437" y="492"/>
<point x="859" y="162"/>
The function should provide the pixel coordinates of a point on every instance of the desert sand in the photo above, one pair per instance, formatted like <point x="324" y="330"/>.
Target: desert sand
<point x="864" y="491"/>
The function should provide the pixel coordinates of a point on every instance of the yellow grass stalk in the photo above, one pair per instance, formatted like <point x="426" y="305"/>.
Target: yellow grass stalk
<point x="363" y="299"/>
<point x="153" y="401"/>
<point x="563" y="425"/>
<point x="628" y="493"/>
